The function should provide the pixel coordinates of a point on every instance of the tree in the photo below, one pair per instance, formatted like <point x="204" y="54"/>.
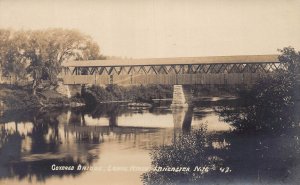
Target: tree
<point x="47" y="49"/>
<point x="291" y="57"/>
<point x="270" y="104"/>
<point x="40" y="53"/>
<point x="12" y="46"/>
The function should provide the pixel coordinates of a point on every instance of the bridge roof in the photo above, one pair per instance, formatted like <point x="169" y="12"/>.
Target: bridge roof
<point x="175" y="61"/>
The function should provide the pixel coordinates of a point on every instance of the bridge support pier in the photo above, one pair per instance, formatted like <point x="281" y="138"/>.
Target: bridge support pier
<point x="63" y="89"/>
<point x="179" y="97"/>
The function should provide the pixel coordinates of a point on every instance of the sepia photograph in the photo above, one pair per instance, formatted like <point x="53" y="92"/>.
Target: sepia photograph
<point x="149" y="92"/>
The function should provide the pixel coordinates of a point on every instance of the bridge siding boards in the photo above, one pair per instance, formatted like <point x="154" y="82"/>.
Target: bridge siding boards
<point x="170" y="79"/>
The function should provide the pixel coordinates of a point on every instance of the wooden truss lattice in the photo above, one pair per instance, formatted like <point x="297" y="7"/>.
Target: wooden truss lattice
<point x="177" y="69"/>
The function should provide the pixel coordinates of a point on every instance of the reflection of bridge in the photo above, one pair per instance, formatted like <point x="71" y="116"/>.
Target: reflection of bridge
<point x="230" y="70"/>
<point x="107" y="129"/>
<point x="137" y="135"/>
<point x="182" y="119"/>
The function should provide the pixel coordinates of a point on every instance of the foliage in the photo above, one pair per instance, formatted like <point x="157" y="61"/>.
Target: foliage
<point x="270" y="104"/>
<point x="145" y="93"/>
<point x="20" y="97"/>
<point x="118" y="93"/>
<point x="40" y="53"/>
<point x="291" y="57"/>
<point x="187" y="150"/>
<point x="95" y="94"/>
<point x="11" y="58"/>
<point x="230" y="158"/>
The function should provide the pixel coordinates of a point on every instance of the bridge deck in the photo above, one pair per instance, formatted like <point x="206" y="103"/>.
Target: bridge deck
<point x="244" y="59"/>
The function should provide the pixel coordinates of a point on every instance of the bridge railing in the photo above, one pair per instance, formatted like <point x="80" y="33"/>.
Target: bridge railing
<point x="170" y="79"/>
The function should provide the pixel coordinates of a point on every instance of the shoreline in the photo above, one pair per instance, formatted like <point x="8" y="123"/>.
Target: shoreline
<point x="13" y="97"/>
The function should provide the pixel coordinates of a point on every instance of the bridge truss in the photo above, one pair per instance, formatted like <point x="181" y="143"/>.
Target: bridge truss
<point x="267" y="67"/>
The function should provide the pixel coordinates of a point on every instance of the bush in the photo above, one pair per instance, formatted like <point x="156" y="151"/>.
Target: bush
<point x="190" y="150"/>
<point x="132" y="93"/>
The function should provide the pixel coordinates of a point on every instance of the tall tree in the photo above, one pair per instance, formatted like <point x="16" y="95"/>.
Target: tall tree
<point x="47" y="49"/>
<point x="40" y="53"/>
<point x="12" y="46"/>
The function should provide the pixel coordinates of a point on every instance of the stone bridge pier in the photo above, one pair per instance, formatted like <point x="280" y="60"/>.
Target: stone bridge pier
<point x="182" y="97"/>
<point x="69" y="90"/>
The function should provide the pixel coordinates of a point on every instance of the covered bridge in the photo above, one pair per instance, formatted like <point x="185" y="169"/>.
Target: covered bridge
<point x="243" y="69"/>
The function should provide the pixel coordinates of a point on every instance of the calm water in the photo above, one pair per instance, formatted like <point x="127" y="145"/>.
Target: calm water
<point x="115" y="141"/>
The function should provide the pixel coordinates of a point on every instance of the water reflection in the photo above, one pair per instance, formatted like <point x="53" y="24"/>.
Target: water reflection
<point x="113" y="135"/>
<point x="29" y="148"/>
<point x="32" y="141"/>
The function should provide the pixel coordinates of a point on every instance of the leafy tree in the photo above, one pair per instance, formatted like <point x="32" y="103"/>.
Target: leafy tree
<point x="40" y="53"/>
<point x="270" y="104"/>
<point x="47" y="49"/>
<point x="12" y="46"/>
<point x="292" y="58"/>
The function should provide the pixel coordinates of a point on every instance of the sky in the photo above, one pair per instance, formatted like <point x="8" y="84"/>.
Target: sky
<point x="166" y="28"/>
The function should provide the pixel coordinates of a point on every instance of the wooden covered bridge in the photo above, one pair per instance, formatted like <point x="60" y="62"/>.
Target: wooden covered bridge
<point x="190" y="70"/>
<point x="218" y="70"/>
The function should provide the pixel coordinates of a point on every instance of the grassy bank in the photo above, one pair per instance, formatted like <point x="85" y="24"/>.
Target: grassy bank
<point x="20" y="97"/>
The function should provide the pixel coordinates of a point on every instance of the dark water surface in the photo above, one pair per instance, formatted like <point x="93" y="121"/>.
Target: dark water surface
<point x="115" y="141"/>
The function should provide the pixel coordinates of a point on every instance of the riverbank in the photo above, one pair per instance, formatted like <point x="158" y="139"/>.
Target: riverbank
<point x="20" y="97"/>
<point x="13" y="97"/>
<point x="150" y="93"/>
<point x="114" y="93"/>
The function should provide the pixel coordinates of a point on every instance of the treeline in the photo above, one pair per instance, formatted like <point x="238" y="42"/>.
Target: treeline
<point x="146" y="93"/>
<point x="142" y="93"/>
<point x="38" y="54"/>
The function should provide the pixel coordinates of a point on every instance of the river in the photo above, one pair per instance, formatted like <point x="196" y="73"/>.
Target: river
<point x="115" y="142"/>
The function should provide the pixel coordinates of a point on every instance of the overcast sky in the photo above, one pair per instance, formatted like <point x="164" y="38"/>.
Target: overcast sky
<point x="163" y="28"/>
